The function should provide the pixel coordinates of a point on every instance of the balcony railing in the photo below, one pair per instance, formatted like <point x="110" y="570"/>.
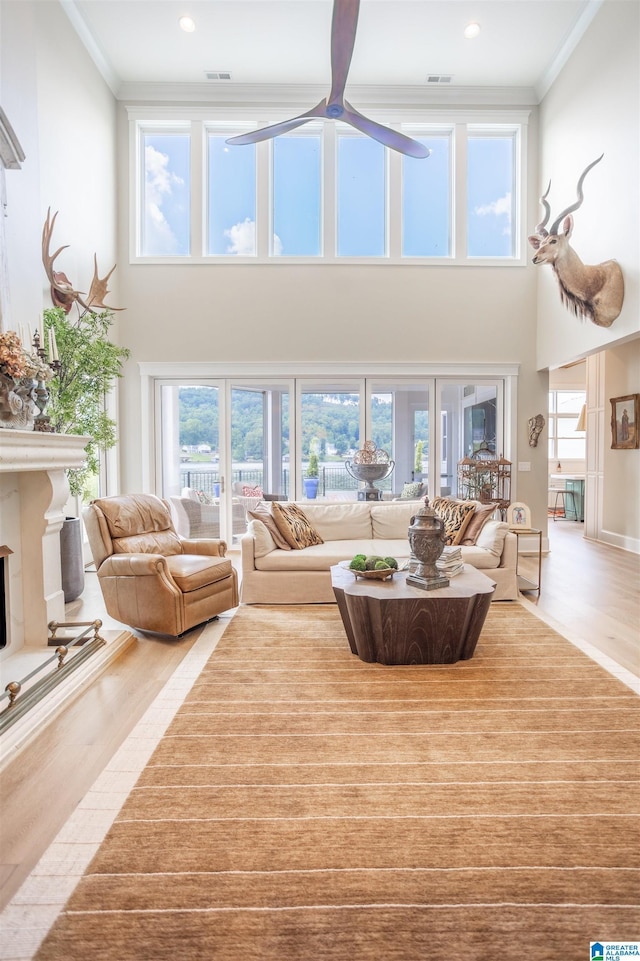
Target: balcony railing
<point x="331" y="480"/>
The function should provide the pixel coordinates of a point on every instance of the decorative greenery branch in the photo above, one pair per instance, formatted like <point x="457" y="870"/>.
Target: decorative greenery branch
<point x="89" y="367"/>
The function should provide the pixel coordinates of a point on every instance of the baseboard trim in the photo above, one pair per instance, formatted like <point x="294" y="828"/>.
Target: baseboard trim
<point x="623" y="543"/>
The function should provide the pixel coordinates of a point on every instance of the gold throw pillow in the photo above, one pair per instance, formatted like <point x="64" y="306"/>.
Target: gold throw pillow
<point x="294" y="525"/>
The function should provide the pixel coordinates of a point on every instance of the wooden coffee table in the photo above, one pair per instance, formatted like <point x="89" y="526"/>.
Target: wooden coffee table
<point x="393" y="623"/>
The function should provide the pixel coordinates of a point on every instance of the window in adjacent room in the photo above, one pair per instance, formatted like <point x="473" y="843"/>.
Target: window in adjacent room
<point x="565" y="442"/>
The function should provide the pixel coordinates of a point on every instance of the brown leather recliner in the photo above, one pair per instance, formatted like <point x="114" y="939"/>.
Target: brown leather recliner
<point x="151" y="578"/>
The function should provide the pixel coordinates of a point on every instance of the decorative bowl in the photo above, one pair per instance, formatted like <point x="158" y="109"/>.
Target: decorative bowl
<point x="369" y="464"/>
<point x="369" y="472"/>
<point x="380" y="575"/>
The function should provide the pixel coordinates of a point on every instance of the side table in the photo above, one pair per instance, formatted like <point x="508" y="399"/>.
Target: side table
<point x="523" y="582"/>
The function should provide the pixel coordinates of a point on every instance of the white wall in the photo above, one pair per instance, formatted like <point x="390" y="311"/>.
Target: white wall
<point x="592" y="108"/>
<point x="621" y="504"/>
<point x="64" y="116"/>
<point x="18" y="96"/>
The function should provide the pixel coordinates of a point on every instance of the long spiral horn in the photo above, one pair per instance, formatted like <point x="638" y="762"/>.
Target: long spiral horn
<point x="541" y="227"/>
<point x="578" y="203"/>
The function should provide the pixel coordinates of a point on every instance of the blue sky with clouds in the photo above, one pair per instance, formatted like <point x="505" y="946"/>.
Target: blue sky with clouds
<point x="297" y="197"/>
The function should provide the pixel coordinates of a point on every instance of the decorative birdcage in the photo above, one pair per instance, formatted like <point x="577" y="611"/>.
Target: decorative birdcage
<point x="483" y="477"/>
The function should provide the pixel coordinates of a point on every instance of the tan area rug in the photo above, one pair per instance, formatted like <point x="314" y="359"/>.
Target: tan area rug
<point x="306" y="805"/>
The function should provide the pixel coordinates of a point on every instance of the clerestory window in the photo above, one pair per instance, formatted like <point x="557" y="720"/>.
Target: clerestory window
<point x="325" y="193"/>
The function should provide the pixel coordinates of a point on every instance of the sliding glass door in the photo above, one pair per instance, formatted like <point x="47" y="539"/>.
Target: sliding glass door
<point x="233" y="442"/>
<point x="329" y="416"/>
<point x="398" y="422"/>
<point x="259" y="448"/>
<point x="191" y="456"/>
<point x="471" y="425"/>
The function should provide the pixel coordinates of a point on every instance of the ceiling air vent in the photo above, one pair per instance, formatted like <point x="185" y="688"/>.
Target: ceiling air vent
<point x="218" y="75"/>
<point x="439" y="78"/>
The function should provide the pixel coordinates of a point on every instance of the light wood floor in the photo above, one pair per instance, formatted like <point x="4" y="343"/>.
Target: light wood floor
<point x="590" y="591"/>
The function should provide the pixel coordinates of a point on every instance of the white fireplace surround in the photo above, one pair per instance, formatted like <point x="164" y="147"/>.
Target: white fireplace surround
<point x="33" y="494"/>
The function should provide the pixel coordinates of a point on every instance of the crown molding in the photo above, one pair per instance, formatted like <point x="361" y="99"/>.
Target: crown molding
<point x="569" y="44"/>
<point x="228" y="93"/>
<point x="79" y="25"/>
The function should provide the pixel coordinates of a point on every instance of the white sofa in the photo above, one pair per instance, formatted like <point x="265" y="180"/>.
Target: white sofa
<point x="271" y="575"/>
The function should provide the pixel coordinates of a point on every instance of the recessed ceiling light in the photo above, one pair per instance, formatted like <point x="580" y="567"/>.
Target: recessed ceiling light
<point x="471" y="31"/>
<point x="187" y="24"/>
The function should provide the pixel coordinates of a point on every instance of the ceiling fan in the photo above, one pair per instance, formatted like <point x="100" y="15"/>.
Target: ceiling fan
<point x="343" y="36"/>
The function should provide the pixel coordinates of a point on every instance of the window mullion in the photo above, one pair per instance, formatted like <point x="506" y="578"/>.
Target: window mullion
<point x="459" y="193"/>
<point x="198" y="190"/>
<point x="136" y="189"/>
<point x="329" y="195"/>
<point x="520" y="205"/>
<point x="394" y="204"/>
<point x="263" y="199"/>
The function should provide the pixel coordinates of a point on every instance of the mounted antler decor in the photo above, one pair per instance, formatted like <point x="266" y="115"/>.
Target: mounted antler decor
<point x="63" y="293"/>
<point x="593" y="292"/>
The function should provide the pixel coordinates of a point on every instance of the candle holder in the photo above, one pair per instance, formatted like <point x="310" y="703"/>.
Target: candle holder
<point x="42" y="421"/>
<point x="41" y="395"/>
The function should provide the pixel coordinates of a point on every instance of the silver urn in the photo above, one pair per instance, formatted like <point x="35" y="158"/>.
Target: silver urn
<point x="368" y="465"/>
<point x="368" y="473"/>
<point x="427" y="539"/>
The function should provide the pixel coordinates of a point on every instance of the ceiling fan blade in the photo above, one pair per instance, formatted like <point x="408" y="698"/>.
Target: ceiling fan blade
<point x="344" y="23"/>
<point x="385" y="135"/>
<point x="343" y="37"/>
<point x="275" y="129"/>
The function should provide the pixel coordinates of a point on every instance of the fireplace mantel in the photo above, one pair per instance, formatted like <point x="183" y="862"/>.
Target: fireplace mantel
<point x="24" y="450"/>
<point x="33" y="494"/>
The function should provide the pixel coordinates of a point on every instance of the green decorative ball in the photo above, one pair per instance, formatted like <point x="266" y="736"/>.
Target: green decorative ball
<point x="391" y="562"/>
<point x="357" y="564"/>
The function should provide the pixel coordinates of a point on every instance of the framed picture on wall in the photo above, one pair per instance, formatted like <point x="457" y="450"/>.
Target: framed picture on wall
<point x="625" y="413"/>
<point x="519" y="515"/>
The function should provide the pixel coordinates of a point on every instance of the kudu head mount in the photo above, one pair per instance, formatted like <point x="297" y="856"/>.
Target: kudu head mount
<point x="593" y="292"/>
